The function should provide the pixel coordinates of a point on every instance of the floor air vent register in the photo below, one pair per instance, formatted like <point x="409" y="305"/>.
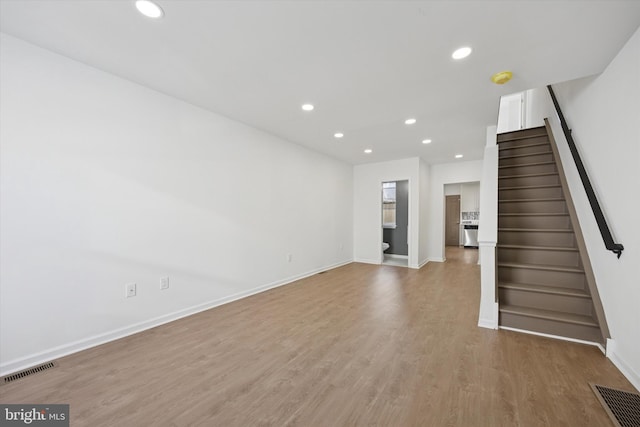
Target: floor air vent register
<point x="622" y="407"/>
<point x="27" y="372"/>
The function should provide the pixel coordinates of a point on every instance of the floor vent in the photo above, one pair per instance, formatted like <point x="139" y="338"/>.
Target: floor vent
<point x="623" y="407"/>
<point x="27" y="372"/>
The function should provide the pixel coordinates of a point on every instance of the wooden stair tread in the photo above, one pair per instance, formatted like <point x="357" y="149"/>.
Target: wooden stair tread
<point x="516" y="156"/>
<point x="538" y="248"/>
<point x="533" y="214"/>
<point x="550" y="199"/>
<point x="537" y="230"/>
<point x="533" y="144"/>
<point x="557" y="316"/>
<point x="545" y="289"/>
<point x="530" y="187"/>
<point x="526" y="164"/>
<point x="529" y="175"/>
<point x="519" y="138"/>
<point x="541" y="267"/>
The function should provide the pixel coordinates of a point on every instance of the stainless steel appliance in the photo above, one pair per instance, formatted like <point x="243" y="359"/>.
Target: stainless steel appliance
<point x="470" y="236"/>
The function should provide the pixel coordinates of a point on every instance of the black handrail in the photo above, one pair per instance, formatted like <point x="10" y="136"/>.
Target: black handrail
<point x="616" y="248"/>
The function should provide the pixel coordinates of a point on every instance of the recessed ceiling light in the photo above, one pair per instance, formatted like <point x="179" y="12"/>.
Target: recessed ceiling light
<point x="459" y="156"/>
<point x="307" y="107"/>
<point x="368" y="151"/>
<point x="409" y="121"/>
<point x="149" y="9"/>
<point x="338" y="134"/>
<point x="463" y="52"/>
<point x="426" y="141"/>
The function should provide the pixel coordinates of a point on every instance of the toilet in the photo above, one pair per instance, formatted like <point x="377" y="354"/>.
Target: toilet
<point x="385" y="246"/>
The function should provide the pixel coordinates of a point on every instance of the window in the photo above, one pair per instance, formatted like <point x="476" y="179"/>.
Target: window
<point x="389" y="204"/>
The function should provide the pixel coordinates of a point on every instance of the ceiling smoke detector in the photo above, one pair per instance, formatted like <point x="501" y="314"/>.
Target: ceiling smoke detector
<point x="502" y="77"/>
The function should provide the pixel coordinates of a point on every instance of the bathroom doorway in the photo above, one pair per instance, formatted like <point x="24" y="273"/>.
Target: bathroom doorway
<point x="395" y="223"/>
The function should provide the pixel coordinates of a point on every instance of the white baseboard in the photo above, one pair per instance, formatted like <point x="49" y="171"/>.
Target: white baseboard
<point x="76" y="346"/>
<point x="487" y="323"/>
<point x="627" y="371"/>
<point x="556" y="337"/>
<point x="423" y="263"/>
<point x="437" y="259"/>
<point x="368" y="261"/>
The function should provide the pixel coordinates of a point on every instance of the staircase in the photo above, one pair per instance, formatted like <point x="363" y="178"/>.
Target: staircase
<point x="542" y="283"/>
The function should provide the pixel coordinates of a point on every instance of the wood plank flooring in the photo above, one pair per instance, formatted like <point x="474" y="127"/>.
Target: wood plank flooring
<point x="358" y="345"/>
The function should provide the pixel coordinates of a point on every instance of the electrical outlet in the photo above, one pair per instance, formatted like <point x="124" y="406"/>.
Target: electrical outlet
<point x="164" y="283"/>
<point x="131" y="290"/>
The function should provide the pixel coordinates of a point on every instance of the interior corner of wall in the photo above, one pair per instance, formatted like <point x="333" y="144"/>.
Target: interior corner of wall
<point x="622" y="364"/>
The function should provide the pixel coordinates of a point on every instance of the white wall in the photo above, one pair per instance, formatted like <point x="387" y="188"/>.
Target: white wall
<point x="446" y="173"/>
<point x="604" y="114"/>
<point x="535" y="107"/>
<point x="452" y="189"/>
<point x="470" y="197"/>
<point x="510" y="112"/>
<point x="105" y="182"/>
<point x="367" y="207"/>
<point x="423" y="254"/>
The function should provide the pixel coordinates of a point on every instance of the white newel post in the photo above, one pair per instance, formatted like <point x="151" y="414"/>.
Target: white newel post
<point x="488" y="233"/>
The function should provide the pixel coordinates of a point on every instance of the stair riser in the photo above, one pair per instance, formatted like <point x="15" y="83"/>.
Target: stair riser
<point x="551" y="206"/>
<point x="551" y="327"/>
<point x="531" y="158"/>
<point x="551" y="221"/>
<point x="540" y="257"/>
<point x="537" y="238"/>
<point x="528" y="180"/>
<point x="525" y="170"/>
<point x="526" y="137"/>
<point x="561" y="279"/>
<point x="516" y="150"/>
<point x="530" y="193"/>
<point x="562" y="303"/>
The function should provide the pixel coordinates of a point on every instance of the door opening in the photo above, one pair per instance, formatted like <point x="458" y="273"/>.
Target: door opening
<point x="395" y="223"/>
<point x="452" y="221"/>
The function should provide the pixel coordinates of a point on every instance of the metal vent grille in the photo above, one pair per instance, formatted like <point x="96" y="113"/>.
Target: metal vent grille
<point x="622" y="407"/>
<point x="27" y="372"/>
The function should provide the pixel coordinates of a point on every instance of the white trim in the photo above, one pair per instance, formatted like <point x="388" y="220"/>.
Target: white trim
<point x="423" y="263"/>
<point x="490" y="322"/>
<point x="397" y="256"/>
<point x="624" y="367"/>
<point x="487" y="323"/>
<point x="436" y="259"/>
<point x="540" y="334"/>
<point x="367" y="261"/>
<point x="76" y="346"/>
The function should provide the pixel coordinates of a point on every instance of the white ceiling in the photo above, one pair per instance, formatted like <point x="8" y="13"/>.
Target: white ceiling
<point x="365" y="65"/>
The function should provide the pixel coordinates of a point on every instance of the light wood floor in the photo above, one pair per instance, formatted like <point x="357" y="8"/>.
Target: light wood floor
<point x="358" y="345"/>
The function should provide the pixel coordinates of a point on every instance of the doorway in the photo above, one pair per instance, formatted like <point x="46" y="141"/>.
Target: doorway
<point x="395" y="223"/>
<point x="511" y="114"/>
<point x="452" y="221"/>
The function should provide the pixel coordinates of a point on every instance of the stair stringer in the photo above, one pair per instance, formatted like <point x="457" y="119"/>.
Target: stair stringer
<point x="580" y="242"/>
